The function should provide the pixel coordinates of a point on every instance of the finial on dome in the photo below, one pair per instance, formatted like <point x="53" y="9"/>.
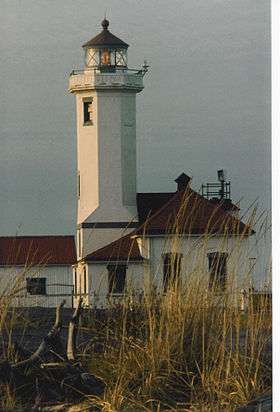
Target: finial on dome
<point x="105" y="24"/>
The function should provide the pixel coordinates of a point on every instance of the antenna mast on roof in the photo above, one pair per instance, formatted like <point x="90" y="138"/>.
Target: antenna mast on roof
<point x="220" y="190"/>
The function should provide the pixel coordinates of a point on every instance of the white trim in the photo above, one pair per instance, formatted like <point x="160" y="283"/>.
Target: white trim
<point x="191" y="235"/>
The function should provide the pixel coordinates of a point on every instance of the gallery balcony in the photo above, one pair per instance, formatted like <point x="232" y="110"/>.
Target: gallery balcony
<point x="89" y="79"/>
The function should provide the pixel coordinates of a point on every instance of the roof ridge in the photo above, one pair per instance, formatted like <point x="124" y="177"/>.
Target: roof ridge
<point x="105" y="37"/>
<point x="220" y="207"/>
<point x="157" y="212"/>
<point x="224" y="214"/>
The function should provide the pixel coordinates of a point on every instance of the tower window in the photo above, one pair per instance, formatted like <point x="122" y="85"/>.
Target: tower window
<point x="171" y="270"/>
<point x="79" y="240"/>
<point x="79" y="185"/>
<point x="217" y="271"/>
<point x="116" y="278"/>
<point x="88" y="112"/>
<point x="85" y="280"/>
<point x="75" y="282"/>
<point x="36" y="286"/>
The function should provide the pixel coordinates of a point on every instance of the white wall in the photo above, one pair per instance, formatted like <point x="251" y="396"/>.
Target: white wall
<point x="106" y="157"/>
<point x="87" y="158"/>
<point x="97" y="281"/>
<point x="194" y="263"/>
<point x="96" y="238"/>
<point x="106" y="152"/>
<point x="14" y="278"/>
<point x="194" y="260"/>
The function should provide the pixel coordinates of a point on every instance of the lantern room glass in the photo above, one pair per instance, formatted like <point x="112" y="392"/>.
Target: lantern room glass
<point x="92" y="57"/>
<point x="106" y="58"/>
<point x="103" y="58"/>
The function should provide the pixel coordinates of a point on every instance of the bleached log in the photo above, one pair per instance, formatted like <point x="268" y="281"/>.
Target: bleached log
<point x="52" y="337"/>
<point x="58" y="319"/>
<point x="72" y="332"/>
<point x="54" y="365"/>
<point x="74" y="379"/>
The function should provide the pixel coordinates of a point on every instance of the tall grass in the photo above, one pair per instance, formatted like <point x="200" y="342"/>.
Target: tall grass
<point x="191" y="348"/>
<point x="8" y="318"/>
<point x="13" y="320"/>
<point x="184" y="351"/>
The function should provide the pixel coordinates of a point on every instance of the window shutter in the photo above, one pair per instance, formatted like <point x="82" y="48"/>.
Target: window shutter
<point x="116" y="278"/>
<point x="217" y="263"/>
<point x="171" y="269"/>
<point x="36" y="286"/>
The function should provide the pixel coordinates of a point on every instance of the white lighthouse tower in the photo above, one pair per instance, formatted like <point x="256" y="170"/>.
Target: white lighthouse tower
<point x="105" y="93"/>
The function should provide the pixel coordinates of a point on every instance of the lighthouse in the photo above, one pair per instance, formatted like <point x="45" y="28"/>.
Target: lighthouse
<point x="105" y="91"/>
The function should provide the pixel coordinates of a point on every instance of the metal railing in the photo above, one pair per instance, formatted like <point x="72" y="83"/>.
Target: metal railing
<point x="51" y="298"/>
<point x="220" y="190"/>
<point x="244" y="299"/>
<point x="92" y="78"/>
<point x="76" y="72"/>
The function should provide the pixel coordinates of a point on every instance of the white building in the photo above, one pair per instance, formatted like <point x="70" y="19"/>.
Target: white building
<point x="129" y="239"/>
<point x="37" y="270"/>
<point x="125" y="240"/>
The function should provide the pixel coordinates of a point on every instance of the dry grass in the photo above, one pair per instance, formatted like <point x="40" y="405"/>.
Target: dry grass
<point x="8" y="399"/>
<point x="190" y="349"/>
<point x="185" y="352"/>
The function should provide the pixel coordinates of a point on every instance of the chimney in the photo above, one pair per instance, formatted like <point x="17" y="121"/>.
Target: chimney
<point x="182" y="181"/>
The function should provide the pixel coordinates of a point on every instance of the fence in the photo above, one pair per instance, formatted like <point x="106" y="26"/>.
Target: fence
<point x="243" y="299"/>
<point x="54" y="294"/>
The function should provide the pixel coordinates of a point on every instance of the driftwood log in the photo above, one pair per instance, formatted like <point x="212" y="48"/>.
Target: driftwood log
<point x="52" y="373"/>
<point x="72" y="332"/>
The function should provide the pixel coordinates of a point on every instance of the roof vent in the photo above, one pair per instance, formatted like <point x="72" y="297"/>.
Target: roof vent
<point x="182" y="181"/>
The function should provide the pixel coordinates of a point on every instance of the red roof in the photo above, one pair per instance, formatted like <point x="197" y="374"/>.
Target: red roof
<point x="187" y="212"/>
<point x="226" y="204"/>
<point x="123" y="249"/>
<point x="150" y="203"/>
<point x="182" y="212"/>
<point x="37" y="250"/>
<point x="106" y="39"/>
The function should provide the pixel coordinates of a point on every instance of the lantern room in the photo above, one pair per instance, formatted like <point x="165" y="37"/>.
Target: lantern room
<point x="105" y="51"/>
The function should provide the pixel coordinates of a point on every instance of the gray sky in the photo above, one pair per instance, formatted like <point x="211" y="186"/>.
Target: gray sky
<point x="205" y="106"/>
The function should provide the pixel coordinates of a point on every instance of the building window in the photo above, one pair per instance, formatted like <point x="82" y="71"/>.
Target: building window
<point x="36" y="286"/>
<point x="217" y="271"/>
<point x="85" y="280"/>
<point x="171" y="270"/>
<point x="88" y="112"/>
<point x="116" y="278"/>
